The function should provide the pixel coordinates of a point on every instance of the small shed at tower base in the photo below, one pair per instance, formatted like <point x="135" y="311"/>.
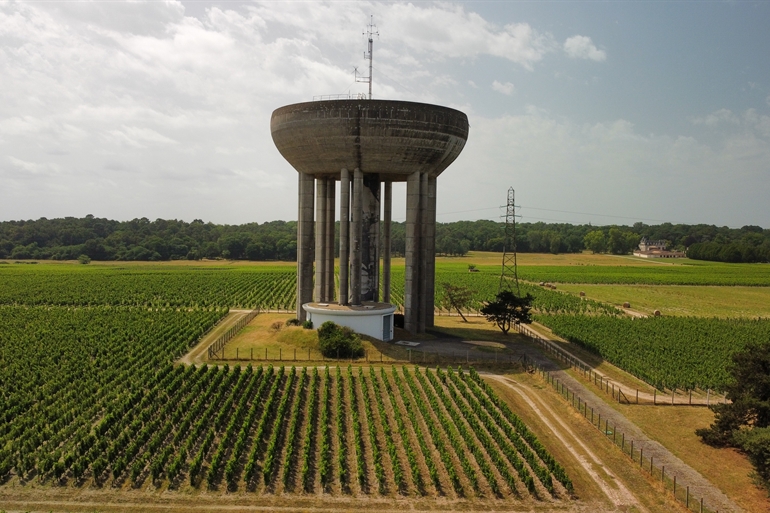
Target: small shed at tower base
<point x="371" y="319"/>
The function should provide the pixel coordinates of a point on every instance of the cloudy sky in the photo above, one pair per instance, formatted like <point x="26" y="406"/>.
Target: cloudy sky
<point x="601" y="112"/>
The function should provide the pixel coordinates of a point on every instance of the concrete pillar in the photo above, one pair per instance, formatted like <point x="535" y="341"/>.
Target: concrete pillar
<point x="344" y="235"/>
<point x="430" y="243"/>
<point x="370" y="238"/>
<point x="388" y="215"/>
<point x="412" y="269"/>
<point x="331" y="186"/>
<point x="320" y="238"/>
<point x="355" y="238"/>
<point x="423" y="294"/>
<point x="304" y="244"/>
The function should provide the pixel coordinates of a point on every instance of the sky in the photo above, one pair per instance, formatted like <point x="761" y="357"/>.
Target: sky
<point x="601" y="112"/>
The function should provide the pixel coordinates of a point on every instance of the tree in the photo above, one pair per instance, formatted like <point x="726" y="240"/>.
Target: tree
<point x="595" y="241"/>
<point x="744" y="422"/>
<point x="84" y="259"/>
<point x="456" y="298"/>
<point x="508" y="309"/>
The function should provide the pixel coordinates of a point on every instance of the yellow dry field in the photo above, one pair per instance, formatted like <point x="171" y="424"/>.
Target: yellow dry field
<point x="674" y="427"/>
<point x="566" y="259"/>
<point x="267" y="338"/>
<point x="682" y="300"/>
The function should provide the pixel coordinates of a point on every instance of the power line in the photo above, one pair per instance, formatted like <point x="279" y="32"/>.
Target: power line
<point x="522" y="207"/>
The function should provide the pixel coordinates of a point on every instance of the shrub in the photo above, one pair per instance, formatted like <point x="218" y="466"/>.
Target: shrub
<point x="293" y="322"/>
<point x="308" y="325"/>
<point x="84" y="259"/>
<point x="339" y="341"/>
<point x="756" y="444"/>
<point x="276" y="326"/>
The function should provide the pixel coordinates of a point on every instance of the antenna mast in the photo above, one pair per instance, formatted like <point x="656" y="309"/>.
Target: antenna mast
<point x="509" y="275"/>
<point x="371" y="30"/>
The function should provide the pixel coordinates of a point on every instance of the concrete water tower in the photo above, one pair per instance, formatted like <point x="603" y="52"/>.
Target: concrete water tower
<point x="366" y="145"/>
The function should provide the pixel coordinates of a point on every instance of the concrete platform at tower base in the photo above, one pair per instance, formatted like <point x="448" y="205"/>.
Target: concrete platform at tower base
<point x="372" y="319"/>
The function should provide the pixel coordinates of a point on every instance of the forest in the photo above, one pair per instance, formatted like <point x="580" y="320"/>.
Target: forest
<point x="144" y="240"/>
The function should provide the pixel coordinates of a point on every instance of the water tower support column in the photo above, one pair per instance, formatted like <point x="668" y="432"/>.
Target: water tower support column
<point x="423" y="297"/>
<point x="387" y="214"/>
<point x="305" y="244"/>
<point x="320" y="239"/>
<point x="430" y="260"/>
<point x="355" y="238"/>
<point x="331" y="186"/>
<point x="412" y="271"/>
<point x="344" y="235"/>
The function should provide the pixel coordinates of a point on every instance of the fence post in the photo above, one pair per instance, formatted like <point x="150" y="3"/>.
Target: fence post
<point x="675" y="487"/>
<point x="265" y="354"/>
<point x="673" y="392"/>
<point x="237" y="353"/>
<point x="251" y="354"/>
<point x="691" y="397"/>
<point x="295" y="354"/>
<point x="654" y="396"/>
<point x="687" y="498"/>
<point x="641" y="456"/>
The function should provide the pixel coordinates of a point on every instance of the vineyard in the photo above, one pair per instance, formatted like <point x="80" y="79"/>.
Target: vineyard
<point x="681" y="274"/>
<point x="485" y="285"/>
<point x="269" y="287"/>
<point x="667" y="352"/>
<point x="89" y="396"/>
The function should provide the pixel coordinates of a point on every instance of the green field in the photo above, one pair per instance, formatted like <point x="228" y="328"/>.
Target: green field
<point x="90" y="396"/>
<point x="599" y="325"/>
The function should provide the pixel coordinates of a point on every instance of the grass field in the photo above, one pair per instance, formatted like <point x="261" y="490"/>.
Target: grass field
<point x="61" y="318"/>
<point x="682" y="300"/>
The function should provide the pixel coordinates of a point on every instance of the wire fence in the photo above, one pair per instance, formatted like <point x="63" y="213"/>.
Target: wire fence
<point x="627" y="395"/>
<point x="680" y="490"/>
<point x="219" y="344"/>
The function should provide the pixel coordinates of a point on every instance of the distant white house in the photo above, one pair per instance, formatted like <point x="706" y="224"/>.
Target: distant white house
<point x="656" y="249"/>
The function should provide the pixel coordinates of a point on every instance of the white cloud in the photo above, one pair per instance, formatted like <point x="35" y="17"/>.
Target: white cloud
<point x="141" y="109"/>
<point x="581" y="47"/>
<point x="718" y="117"/>
<point x="610" y="166"/>
<point x="506" y="88"/>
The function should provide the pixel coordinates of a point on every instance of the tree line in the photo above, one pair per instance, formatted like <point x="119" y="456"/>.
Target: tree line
<point x="141" y="239"/>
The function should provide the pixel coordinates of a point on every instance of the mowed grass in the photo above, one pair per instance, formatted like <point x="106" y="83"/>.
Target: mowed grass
<point x="268" y="337"/>
<point x="682" y="300"/>
<point x="674" y="427"/>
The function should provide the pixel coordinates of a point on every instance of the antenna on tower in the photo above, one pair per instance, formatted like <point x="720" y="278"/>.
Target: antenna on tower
<point x="371" y="30"/>
<point x="509" y="276"/>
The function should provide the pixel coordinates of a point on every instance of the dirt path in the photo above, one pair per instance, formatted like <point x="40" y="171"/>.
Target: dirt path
<point x="713" y="498"/>
<point x="198" y="354"/>
<point x="608" y="481"/>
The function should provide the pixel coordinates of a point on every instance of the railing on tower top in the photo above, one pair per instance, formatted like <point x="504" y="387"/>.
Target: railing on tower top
<point x="322" y="97"/>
